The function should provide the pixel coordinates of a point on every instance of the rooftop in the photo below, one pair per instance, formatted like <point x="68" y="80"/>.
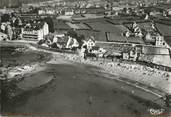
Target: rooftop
<point x="34" y="25"/>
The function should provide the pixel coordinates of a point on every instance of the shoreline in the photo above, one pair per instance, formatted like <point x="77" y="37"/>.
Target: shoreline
<point x="151" y="77"/>
<point x="136" y="73"/>
<point x="23" y="76"/>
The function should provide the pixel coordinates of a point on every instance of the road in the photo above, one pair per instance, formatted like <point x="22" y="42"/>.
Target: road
<point x="79" y="90"/>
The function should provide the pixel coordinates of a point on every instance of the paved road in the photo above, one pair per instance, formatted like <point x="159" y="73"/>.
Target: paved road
<point x="81" y="91"/>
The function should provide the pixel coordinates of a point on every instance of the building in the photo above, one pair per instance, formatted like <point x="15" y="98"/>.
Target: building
<point x="3" y="36"/>
<point x="35" y="31"/>
<point x="69" y="12"/>
<point x="89" y="42"/>
<point x="160" y="41"/>
<point x="47" y="11"/>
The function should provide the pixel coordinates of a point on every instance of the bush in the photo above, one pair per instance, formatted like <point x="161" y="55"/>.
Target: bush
<point x="41" y="42"/>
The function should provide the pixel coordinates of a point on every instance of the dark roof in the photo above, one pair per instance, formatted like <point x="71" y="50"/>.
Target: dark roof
<point x="34" y="26"/>
<point x="168" y="40"/>
<point x="163" y="29"/>
<point x="62" y="40"/>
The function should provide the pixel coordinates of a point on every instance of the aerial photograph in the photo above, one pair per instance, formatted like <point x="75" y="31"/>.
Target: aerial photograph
<point x="85" y="58"/>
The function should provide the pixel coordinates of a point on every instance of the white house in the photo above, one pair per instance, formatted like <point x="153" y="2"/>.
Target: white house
<point x="69" y="12"/>
<point x="3" y="36"/>
<point x="35" y="31"/>
<point x="72" y="42"/>
<point x="160" y="41"/>
<point x="90" y="42"/>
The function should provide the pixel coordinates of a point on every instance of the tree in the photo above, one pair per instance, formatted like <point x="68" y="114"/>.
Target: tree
<point x="5" y="18"/>
<point x="72" y="34"/>
<point x="49" y="21"/>
<point x="168" y="101"/>
<point x="80" y="39"/>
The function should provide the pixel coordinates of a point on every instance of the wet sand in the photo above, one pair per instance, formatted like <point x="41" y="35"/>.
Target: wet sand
<point x="79" y="91"/>
<point x="19" y="66"/>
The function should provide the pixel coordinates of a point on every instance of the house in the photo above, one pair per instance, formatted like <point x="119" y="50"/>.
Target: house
<point x="35" y="31"/>
<point x="69" y="12"/>
<point x="46" y="11"/>
<point x="62" y="42"/>
<point x="41" y="12"/>
<point x="150" y="39"/>
<point x="89" y="42"/>
<point x="72" y="43"/>
<point x="129" y="53"/>
<point x="160" y="41"/>
<point x="125" y="55"/>
<point x="6" y="28"/>
<point x="3" y="36"/>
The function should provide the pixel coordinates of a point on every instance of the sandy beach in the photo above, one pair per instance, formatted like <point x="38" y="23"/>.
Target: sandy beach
<point x="155" y="78"/>
<point x="75" y="80"/>
<point x="152" y="77"/>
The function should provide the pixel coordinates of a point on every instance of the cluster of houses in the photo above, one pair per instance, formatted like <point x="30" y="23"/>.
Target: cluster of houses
<point x="130" y="33"/>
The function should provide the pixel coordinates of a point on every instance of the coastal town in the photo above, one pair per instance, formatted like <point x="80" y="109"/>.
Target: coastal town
<point x="130" y="39"/>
